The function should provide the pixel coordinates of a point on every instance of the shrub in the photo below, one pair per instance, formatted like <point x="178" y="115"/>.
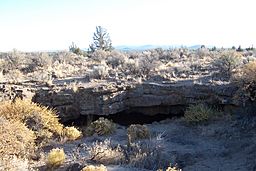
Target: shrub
<point x="145" y="64"/>
<point x="99" y="55"/>
<point x="42" y="60"/>
<point x="148" y="154"/>
<point x="246" y="79"/>
<point x="16" y="139"/>
<point x="95" y="168"/>
<point x="202" y="52"/>
<point x="170" y="168"/>
<point x="136" y="131"/>
<point x="99" y="72"/>
<point x="13" y="60"/>
<point x="105" y="152"/>
<point x="55" y="158"/>
<point x="227" y="63"/>
<point x="13" y="163"/>
<point x="198" y="113"/>
<point x="71" y="133"/>
<point x="76" y="50"/>
<point x="14" y="76"/>
<point x="40" y="119"/>
<point x="131" y="66"/>
<point x="65" y="57"/>
<point x="116" y="58"/>
<point x="101" y="126"/>
<point x="247" y="74"/>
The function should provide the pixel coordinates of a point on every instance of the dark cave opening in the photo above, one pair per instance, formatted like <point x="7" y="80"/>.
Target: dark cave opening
<point x="147" y="115"/>
<point x="138" y="118"/>
<point x="138" y="115"/>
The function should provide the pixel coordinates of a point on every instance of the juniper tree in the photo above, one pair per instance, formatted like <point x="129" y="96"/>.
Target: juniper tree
<point x="73" y="48"/>
<point x="101" y="40"/>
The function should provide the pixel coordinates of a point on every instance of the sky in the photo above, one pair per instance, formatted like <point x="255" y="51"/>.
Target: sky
<point x="34" y="25"/>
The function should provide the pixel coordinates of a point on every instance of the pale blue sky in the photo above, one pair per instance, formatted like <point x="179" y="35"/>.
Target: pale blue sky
<point x="30" y="25"/>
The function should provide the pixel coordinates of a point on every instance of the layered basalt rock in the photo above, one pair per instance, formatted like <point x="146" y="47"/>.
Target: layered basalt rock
<point x="146" y="98"/>
<point x="12" y="91"/>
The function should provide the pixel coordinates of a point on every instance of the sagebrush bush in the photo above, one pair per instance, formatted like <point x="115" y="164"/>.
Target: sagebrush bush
<point x="16" y="139"/>
<point x="42" y="60"/>
<point x="247" y="73"/>
<point x="198" y="113"/>
<point x="148" y="154"/>
<point x="99" y="72"/>
<point x="55" y="158"/>
<point x="105" y="152"/>
<point x="14" y="76"/>
<point x="116" y="58"/>
<point x="99" y="55"/>
<point x="246" y="80"/>
<point x="131" y="66"/>
<point x="94" y="168"/>
<point x="137" y="131"/>
<point x="14" y="60"/>
<point x="72" y="133"/>
<point x="40" y="119"/>
<point x="101" y="126"/>
<point x="14" y="163"/>
<point x="227" y="63"/>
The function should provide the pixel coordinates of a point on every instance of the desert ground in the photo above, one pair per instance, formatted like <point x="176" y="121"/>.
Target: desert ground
<point x="55" y="110"/>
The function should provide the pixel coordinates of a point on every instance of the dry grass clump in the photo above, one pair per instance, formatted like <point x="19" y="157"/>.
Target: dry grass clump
<point x="105" y="152"/>
<point x="137" y="131"/>
<point x="55" y="158"/>
<point x="101" y="126"/>
<point x="198" y="113"/>
<point x="72" y="133"/>
<point x="40" y="119"/>
<point x="94" y="168"/>
<point x="16" y="139"/>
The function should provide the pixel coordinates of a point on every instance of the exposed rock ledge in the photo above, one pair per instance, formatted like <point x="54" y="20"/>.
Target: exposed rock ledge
<point x="147" y="98"/>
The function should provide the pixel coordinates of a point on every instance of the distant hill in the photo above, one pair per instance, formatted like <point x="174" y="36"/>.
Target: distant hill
<point x="146" y="47"/>
<point x="143" y="47"/>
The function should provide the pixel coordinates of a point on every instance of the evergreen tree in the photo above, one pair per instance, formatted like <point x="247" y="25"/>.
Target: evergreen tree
<point x="101" y="40"/>
<point x="73" y="48"/>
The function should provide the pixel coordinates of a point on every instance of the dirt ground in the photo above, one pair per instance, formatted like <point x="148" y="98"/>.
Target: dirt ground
<point x="224" y="144"/>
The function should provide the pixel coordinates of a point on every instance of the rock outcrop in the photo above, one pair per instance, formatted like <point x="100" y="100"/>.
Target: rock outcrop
<point x="147" y="98"/>
<point x="12" y="91"/>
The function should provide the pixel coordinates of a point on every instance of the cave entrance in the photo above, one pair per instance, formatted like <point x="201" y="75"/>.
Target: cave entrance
<point x="137" y="118"/>
<point x="138" y="115"/>
<point x="147" y="115"/>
